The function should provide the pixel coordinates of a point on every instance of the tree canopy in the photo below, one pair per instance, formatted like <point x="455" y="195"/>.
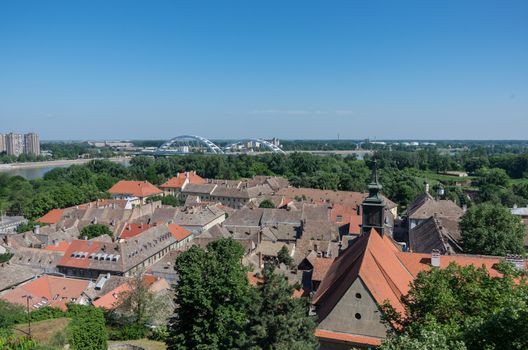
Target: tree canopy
<point x="492" y="230"/>
<point x="461" y="307"/>
<point x="95" y="230"/>
<point x="217" y="309"/>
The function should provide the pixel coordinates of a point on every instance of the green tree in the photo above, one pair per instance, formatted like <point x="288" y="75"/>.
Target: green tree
<point x="492" y="230"/>
<point x="139" y="305"/>
<point x="277" y="320"/>
<point x="95" y="230"/>
<point x="284" y="257"/>
<point x="87" y="329"/>
<point x="11" y="314"/>
<point x="267" y="203"/>
<point x="461" y="306"/>
<point x="494" y="176"/>
<point x="212" y="296"/>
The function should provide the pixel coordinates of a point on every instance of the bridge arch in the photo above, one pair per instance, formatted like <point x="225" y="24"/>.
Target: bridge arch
<point x="165" y="148"/>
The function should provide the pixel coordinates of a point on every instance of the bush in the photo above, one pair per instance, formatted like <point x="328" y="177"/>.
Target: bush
<point x="17" y="343"/>
<point x="87" y="330"/>
<point x="159" y="333"/>
<point x="129" y="332"/>
<point x="47" y="313"/>
<point x="11" y="314"/>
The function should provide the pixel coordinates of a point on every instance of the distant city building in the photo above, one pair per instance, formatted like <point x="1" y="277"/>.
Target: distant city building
<point x="2" y="143"/>
<point x="32" y="144"/>
<point x="14" y="144"/>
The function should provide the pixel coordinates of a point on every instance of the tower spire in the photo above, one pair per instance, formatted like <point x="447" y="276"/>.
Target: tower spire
<point x="373" y="206"/>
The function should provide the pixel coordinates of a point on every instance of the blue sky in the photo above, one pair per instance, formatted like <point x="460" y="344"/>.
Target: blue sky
<point x="293" y="69"/>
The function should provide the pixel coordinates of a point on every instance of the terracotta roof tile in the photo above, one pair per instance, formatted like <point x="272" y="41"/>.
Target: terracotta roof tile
<point x="135" y="188"/>
<point x="178" y="181"/>
<point x="52" y="217"/>
<point x="110" y="299"/>
<point x="48" y="291"/>
<point x="62" y="246"/>
<point x="179" y="232"/>
<point x="132" y="230"/>
<point x="353" y="339"/>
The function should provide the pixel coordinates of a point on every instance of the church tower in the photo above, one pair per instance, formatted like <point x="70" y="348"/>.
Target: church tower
<point x="373" y="207"/>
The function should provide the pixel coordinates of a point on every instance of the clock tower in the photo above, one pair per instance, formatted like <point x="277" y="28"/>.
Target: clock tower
<point x="373" y="207"/>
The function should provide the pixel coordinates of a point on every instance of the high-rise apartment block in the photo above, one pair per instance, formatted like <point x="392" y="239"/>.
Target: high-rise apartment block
<point x="16" y="144"/>
<point x="32" y="144"/>
<point x="2" y="143"/>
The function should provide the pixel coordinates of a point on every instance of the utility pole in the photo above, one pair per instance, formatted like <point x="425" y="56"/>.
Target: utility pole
<point x="28" y="296"/>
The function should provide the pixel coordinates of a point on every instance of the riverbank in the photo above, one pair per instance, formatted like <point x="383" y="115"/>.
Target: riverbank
<point x="56" y="163"/>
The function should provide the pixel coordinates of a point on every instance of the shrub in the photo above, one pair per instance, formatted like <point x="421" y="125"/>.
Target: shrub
<point x="129" y="332"/>
<point x="47" y="313"/>
<point x="87" y="330"/>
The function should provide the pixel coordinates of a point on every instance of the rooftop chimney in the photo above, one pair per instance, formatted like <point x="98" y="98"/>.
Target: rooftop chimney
<point x="435" y="258"/>
<point x="36" y="229"/>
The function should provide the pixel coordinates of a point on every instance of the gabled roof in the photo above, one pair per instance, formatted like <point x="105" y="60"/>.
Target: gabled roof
<point x="178" y="181"/>
<point x="371" y="258"/>
<point x="320" y="267"/>
<point x="48" y="291"/>
<point x="52" y="217"/>
<point x="440" y="233"/>
<point x="132" y="230"/>
<point x="426" y="206"/>
<point x="109" y="300"/>
<point x="135" y="188"/>
<point x="179" y="232"/>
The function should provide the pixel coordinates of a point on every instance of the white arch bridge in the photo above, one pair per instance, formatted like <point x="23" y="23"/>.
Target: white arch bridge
<point x="186" y="144"/>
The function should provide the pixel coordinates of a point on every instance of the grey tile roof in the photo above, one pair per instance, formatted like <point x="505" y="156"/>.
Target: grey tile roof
<point x="440" y="233"/>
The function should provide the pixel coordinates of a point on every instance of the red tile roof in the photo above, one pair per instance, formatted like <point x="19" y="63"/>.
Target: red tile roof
<point x="352" y="339"/>
<point x="179" y="180"/>
<point x="372" y="258"/>
<point x="79" y="246"/>
<point x="139" y="189"/>
<point x="132" y="230"/>
<point x="110" y="299"/>
<point x="355" y="224"/>
<point x="52" y="217"/>
<point x="385" y="270"/>
<point x="179" y="232"/>
<point x="320" y="268"/>
<point x="62" y="246"/>
<point x="48" y="291"/>
<point x="417" y="262"/>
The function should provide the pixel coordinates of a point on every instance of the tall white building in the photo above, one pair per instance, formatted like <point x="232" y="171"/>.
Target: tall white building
<point x="2" y="143"/>
<point x="14" y="144"/>
<point x="32" y="144"/>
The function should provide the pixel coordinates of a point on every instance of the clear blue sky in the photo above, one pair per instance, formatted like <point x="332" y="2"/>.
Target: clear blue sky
<point x="292" y="69"/>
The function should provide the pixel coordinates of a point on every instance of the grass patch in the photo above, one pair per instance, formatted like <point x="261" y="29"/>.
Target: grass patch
<point x="44" y="332"/>
<point x="147" y="344"/>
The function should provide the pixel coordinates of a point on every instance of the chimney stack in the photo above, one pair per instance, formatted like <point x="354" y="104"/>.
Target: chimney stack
<point x="435" y="258"/>
<point x="36" y="229"/>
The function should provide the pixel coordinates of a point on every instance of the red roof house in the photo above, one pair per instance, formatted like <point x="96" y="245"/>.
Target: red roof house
<point x="48" y="291"/>
<point x="125" y="189"/>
